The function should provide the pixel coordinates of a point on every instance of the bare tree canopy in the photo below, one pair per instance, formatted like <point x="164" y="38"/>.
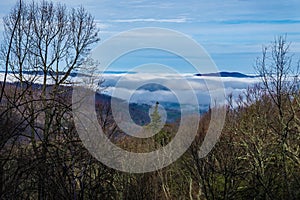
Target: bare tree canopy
<point x="47" y="37"/>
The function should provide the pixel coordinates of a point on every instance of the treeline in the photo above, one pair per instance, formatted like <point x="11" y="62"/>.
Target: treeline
<point x="42" y="156"/>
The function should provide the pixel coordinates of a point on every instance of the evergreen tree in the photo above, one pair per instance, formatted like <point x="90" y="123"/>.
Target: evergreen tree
<point x="155" y="123"/>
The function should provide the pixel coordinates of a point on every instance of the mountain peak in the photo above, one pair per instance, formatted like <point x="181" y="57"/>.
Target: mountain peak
<point x="227" y="74"/>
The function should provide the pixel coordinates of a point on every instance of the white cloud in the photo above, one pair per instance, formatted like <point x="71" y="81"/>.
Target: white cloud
<point x="179" y="91"/>
<point x="127" y="88"/>
<point x="102" y="25"/>
<point x="175" y="20"/>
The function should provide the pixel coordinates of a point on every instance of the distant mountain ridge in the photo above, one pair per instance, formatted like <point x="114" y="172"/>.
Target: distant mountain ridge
<point x="228" y="74"/>
<point x="74" y="74"/>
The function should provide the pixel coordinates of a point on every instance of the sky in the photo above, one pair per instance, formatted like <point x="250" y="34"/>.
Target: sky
<point x="231" y="31"/>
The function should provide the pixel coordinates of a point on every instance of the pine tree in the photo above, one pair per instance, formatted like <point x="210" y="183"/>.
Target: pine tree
<point x="155" y="124"/>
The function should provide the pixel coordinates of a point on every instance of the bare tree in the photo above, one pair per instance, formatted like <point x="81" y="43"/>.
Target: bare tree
<point x="280" y="79"/>
<point x="43" y="44"/>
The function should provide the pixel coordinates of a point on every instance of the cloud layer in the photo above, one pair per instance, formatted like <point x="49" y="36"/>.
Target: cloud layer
<point x="183" y="84"/>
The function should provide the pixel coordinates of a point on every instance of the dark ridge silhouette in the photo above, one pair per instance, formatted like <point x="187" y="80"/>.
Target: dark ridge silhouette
<point x="72" y="74"/>
<point x="227" y="74"/>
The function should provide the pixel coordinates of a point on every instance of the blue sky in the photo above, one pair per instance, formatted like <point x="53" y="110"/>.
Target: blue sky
<point x="231" y="31"/>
